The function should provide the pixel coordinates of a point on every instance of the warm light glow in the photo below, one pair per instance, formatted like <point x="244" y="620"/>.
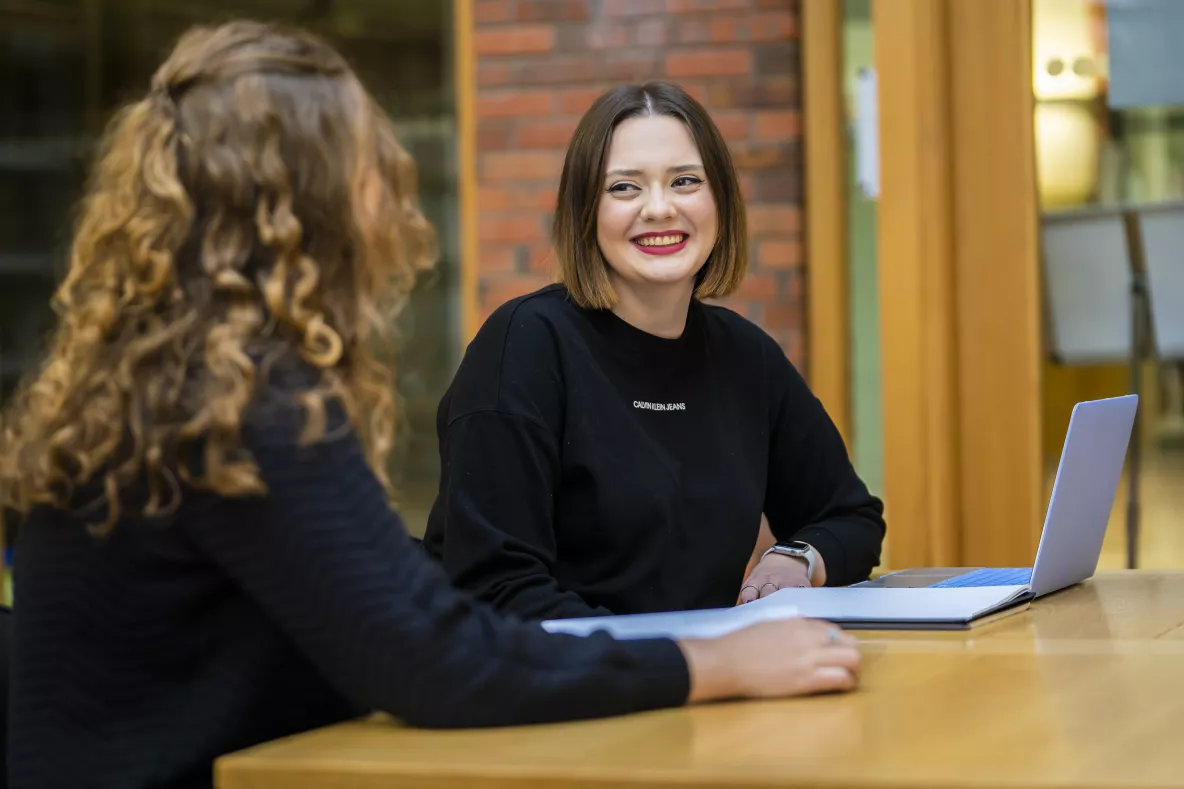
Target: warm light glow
<point x="1065" y="62"/>
<point x="1066" y="154"/>
<point x="1065" y="77"/>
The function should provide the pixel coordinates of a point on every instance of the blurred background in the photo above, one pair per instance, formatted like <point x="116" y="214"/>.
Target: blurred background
<point x="964" y="214"/>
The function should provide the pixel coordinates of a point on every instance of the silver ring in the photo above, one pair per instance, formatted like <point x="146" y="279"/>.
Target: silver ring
<point x="833" y="635"/>
<point x="768" y="583"/>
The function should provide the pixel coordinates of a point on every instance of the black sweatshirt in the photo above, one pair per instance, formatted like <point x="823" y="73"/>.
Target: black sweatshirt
<point x="591" y="468"/>
<point x="142" y="656"/>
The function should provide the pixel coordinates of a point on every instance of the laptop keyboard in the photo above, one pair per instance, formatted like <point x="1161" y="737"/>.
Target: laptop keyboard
<point x="988" y="576"/>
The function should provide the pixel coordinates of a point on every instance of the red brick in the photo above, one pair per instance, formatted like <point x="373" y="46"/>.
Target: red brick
<point x="756" y="157"/>
<point x="516" y="104"/>
<point x="542" y="259"/>
<point x="777" y="125"/>
<point x="782" y="316"/>
<point x="758" y="286"/>
<point x="732" y="125"/>
<point x="547" y="134"/>
<point x="557" y="71"/>
<point x="796" y="285"/>
<point x="494" y="137"/>
<point x="780" y="184"/>
<point x="633" y="7"/>
<point x="709" y="63"/>
<point x="631" y="67"/>
<point x="490" y="75"/>
<point x="496" y="291"/>
<point x="779" y="254"/>
<point x="767" y="91"/>
<point x="517" y="166"/>
<point x="485" y="11"/>
<point x="576" y="101"/>
<point x="747" y="186"/>
<point x="496" y="258"/>
<point x="515" y="40"/>
<point x="510" y="228"/>
<point x="774" y="220"/>
<point x="694" y="31"/>
<point x="606" y="35"/>
<point x="552" y="10"/>
<point x="544" y="199"/>
<point x="724" y="31"/>
<point x="491" y="199"/>
<point x="773" y="27"/>
<point x="690" y="6"/>
<point x="696" y="90"/>
<point x="651" y="33"/>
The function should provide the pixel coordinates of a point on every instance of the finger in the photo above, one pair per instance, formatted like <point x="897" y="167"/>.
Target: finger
<point x="748" y="593"/>
<point x="844" y="656"/>
<point x="767" y="588"/>
<point x="831" y="679"/>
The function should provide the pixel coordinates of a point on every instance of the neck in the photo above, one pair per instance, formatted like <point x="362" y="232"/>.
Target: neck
<point x="661" y="311"/>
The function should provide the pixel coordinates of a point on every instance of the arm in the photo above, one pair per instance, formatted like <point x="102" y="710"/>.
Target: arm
<point x="813" y="493"/>
<point x="494" y="515"/>
<point x="330" y="563"/>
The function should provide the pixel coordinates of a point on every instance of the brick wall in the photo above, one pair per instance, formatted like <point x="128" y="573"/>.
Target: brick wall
<point x="540" y="63"/>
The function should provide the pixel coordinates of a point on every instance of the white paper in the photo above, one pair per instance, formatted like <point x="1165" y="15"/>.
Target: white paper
<point x="879" y="604"/>
<point x="867" y="133"/>
<point x="707" y="623"/>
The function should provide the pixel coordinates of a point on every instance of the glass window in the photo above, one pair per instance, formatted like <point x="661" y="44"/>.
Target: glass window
<point x="66" y="64"/>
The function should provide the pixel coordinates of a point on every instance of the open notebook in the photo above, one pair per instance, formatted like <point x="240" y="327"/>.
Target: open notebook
<point x="851" y="607"/>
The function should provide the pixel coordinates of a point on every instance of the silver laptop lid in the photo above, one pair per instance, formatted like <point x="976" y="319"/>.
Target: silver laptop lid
<point x="1083" y="492"/>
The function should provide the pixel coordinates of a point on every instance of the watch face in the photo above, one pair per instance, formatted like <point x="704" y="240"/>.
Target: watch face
<point x="794" y="548"/>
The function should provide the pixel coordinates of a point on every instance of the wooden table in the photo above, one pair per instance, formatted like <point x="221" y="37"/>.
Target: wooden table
<point x="1085" y="689"/>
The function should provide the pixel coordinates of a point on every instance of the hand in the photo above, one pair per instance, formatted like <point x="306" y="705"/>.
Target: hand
<point x="775" y="571"/>
<point x="787" y="657"/>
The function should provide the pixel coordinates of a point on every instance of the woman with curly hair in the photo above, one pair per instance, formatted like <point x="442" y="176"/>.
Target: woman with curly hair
<point x="208" y="557"/>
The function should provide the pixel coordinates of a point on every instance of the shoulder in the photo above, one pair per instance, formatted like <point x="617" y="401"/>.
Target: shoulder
<point x="545" y="307"/>
<point x="516" y="354"/>
<point x="742" y="336"/>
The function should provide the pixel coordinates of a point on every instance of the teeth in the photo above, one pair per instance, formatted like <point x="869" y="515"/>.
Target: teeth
<point x="661" y="241"/>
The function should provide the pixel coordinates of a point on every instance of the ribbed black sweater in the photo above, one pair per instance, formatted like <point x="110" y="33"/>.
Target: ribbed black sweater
<point x="142" y="656"/>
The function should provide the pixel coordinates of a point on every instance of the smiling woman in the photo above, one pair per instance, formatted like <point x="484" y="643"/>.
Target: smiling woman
<point x="610" y="444"/>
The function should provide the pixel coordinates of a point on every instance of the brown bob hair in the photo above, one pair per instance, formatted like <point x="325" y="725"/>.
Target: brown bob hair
<point x="253" y="206"/>
<point x="573" y="234"/>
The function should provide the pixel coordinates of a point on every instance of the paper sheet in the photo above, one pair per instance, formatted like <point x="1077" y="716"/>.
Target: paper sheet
<point x="708" y="623"/>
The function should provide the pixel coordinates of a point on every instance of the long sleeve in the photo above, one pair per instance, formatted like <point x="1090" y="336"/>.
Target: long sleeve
<point x="495" y="514"/>
<point x="813" y="492"/>
<point x="329" y="562"/>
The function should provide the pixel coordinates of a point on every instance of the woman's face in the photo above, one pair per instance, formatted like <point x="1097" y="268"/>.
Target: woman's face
<point x="656" y="223"/>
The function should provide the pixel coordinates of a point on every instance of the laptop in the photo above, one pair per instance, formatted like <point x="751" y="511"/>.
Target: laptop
<point x="1078" y="510"/>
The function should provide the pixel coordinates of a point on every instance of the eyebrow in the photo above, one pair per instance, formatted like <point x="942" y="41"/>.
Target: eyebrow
<point x="682" y="168"/>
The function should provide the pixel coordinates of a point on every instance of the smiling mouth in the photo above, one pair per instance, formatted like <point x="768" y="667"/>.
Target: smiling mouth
<point x="666" y="244"/>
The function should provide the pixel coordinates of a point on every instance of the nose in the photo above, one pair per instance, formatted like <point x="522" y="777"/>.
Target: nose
<point x="658" y="206"/>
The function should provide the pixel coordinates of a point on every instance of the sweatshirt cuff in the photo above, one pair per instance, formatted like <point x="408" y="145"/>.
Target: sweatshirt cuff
<point x="664" y="676"/>
<point x="831" y="551"/>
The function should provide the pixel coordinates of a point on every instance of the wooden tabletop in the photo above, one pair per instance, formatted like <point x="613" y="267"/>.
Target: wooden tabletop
<point x="1086" y="688"/>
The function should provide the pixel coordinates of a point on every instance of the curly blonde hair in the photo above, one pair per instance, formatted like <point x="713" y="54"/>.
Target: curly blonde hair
<point x="256" y="200"/>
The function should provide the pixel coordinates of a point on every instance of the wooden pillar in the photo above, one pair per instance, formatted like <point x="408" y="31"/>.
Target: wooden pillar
<point x="959" y="282"/>
<point x="828" y="359"/>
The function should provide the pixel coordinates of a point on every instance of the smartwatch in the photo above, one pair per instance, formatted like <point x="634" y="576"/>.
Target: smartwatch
<point x="797" y="549"/>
